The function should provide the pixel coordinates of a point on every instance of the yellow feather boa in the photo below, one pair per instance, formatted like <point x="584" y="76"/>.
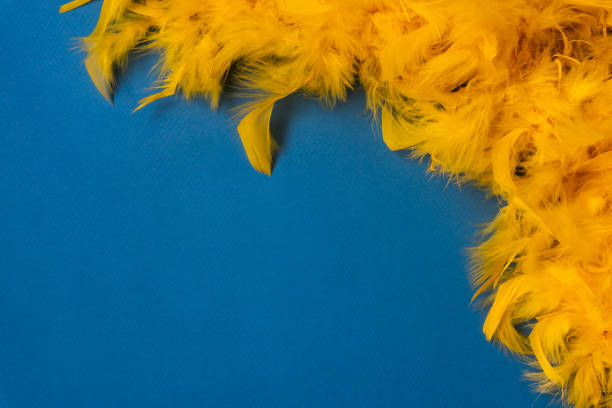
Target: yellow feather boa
<point x="515" y="95"/>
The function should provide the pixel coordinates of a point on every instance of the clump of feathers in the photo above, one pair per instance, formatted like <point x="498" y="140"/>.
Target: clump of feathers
<point x="515" y="95"/>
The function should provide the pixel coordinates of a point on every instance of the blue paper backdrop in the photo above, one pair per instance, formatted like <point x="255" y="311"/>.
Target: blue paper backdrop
<point x="143" y="263"/>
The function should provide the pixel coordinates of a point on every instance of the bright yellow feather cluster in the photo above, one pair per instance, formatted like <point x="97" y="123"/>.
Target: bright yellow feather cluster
<point x="515" y="95"/>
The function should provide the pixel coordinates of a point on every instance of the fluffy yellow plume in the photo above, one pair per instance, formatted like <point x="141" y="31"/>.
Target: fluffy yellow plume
<point x="515" y="95"/>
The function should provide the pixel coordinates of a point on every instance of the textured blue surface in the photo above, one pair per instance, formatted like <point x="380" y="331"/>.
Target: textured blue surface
<point x="144" y="264"/>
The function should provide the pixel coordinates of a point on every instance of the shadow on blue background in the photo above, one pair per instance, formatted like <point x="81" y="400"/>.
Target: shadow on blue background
<point x="145" y="264"/>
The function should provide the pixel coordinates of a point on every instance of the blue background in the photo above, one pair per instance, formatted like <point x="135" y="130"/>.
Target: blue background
<point x="143" y="263"/>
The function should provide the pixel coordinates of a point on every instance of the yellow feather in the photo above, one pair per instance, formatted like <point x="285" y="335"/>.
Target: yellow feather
<point x="100" y="79"/>
<point x="254" y="130"/>
<point x="72" y="5"/>
<point x="391" y="131"/>
<point x="536" y="339"/>
<point x="506" y="296"/>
